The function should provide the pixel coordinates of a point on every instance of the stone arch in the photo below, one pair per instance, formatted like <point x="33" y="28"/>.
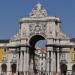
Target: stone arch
<point x="35" y="38"/>
<point x="4" y="68"/>
<point x="63" y="69"/>
<point x="13" y="68"/>
<point x="73" y="69"/>
<point x="33" y="41"/>
<point x="32" y="49"/>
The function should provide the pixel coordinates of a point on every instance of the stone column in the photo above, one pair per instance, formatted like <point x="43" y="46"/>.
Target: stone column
<point x="48" y="61"/>
<point x="58" y="62"/>
<point x="53" y="62"/>
<point x="21" y="60"/>
<point x="24" y="66"/>
<point x="44" y="62"/>
<point x="18" y="61"/>
<point x="26" y="61"/>
<point x="40" y="63"/>
<point x="27" y="66"/>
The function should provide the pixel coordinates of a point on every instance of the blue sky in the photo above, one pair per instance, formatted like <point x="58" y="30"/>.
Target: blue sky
<point x="12" y="10"/>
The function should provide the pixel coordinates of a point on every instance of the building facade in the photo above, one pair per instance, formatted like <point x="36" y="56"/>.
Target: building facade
<point x="19" y="54"/>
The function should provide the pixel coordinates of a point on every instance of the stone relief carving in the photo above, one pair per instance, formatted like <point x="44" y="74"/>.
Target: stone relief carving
<point x="38" y="11"/>
<point x="37" y="28"/>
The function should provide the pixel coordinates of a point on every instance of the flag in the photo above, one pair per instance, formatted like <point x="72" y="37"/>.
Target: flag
<point x="72" y="54"/>
<point x="1" y="54"/>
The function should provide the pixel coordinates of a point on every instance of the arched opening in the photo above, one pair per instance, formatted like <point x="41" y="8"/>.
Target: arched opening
<point x="34" y="45"/>
<point x="73" y="69"/>
<point x="13" y="68"/>
<point x="63" y="69"/>
<point x="35" y="39"/>
<point x="4" y="68"/>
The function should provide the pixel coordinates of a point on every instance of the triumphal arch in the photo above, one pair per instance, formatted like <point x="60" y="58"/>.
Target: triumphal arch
<point x="23" y="56"/>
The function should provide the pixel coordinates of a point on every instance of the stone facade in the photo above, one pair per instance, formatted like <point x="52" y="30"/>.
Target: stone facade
<point x="24" y="58"/>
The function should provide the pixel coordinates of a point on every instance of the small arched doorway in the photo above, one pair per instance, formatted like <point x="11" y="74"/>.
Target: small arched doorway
<point x="13" y="68"/>
<point x="4" y="68"/>
<point x="63" y="69"/>
<point x="73" y="69"/>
